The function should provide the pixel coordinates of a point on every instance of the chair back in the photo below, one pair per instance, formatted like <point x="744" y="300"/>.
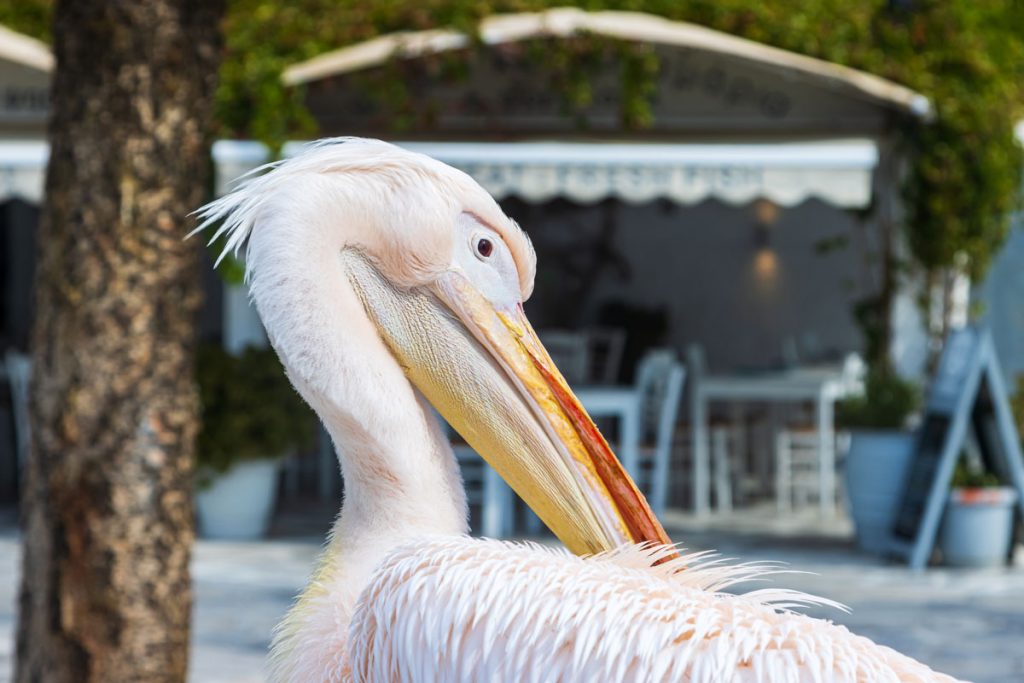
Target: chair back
<point x="696" y="365"/>
<point x="660" y="380"/>
<point x="606" y="345"/>
<point x="486" y="492"/>
<point x="669" y="409"/>
<point x="652" y="374"/>
<point x="853" y="374"/>
<point x="570" y="353"/>
<point x="19" y="372"/>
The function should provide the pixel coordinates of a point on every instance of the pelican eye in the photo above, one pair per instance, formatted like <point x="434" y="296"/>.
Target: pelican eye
<point x="484" y="247"/>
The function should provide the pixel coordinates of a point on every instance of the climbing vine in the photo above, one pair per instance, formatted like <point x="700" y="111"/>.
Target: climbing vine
<point x="967" y="57"/>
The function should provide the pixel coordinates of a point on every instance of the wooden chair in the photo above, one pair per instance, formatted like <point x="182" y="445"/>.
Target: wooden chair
<point x="659" y="384"/>
<point x="798" y="476"/>
<point x="727" y="444"/>
<point x="660" y="379"/>
<point x="605" y="347"/>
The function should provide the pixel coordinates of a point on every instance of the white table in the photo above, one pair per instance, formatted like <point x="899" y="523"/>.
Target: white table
<point x="822" y="386"/>
<point x="623" y="404"/>
<point x="617" y="402"/>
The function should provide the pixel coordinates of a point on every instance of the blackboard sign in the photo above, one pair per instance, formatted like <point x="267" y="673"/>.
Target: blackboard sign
<point x="966" y="398"/>
<point x="931" y="443"/>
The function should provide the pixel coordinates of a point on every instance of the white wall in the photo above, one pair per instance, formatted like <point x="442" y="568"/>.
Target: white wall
<point x="1002" y="297"/>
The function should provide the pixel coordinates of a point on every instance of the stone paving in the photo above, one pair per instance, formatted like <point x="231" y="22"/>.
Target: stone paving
<point x="966" y="623"/>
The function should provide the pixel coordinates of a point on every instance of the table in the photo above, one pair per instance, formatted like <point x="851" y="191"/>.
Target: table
<point x="497" y="502"/>
<point x="822" y="386"/>
<point x="623" y="404"/>
<point x="618" y="402"/>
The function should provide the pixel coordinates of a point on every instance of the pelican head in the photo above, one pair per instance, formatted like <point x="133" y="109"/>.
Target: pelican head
<point x="423" y="259"/>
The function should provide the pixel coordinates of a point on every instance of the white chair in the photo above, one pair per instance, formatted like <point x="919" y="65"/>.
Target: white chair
<point x="570" y="352"/>
<point x="605" y="347"/>
<point x="798" y="475"/>
<point x="660" y="379"/>
<point x="591" y="356"/>
<point x="659" y="384"/>
<point x="726" y="441"/>
<point x="721" y="468"/>
<point x="728" y="481"/>
<point x="19" y="372"/>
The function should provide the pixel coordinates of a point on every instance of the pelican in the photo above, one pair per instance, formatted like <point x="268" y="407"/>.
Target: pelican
<point x="389" y="282"/>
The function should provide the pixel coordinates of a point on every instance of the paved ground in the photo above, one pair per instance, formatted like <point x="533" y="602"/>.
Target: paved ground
<point x="967" y="623"/>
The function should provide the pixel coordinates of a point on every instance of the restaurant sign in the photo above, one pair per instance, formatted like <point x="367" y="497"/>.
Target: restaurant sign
<point x="682" y="184"/>
<point x="24" y="94"/>
<point x="967" y="398"/>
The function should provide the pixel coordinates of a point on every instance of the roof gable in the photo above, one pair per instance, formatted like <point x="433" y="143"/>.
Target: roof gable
<point x="636" y="27"/>
<point x="25" y="51"/>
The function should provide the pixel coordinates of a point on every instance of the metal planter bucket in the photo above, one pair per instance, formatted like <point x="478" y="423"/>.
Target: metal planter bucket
<point x="238" y="504"/>
<point x="977" y="526"/>
<point x="876" y="468"/>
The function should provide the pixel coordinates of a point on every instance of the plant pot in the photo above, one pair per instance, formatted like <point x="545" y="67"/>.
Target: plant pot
<point x="876" y="469"/>
<point x="238" y="503"/>
<point x="977" y="526"/>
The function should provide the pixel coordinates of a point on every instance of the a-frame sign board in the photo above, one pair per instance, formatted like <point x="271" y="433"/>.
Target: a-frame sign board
<point x="968" y="393"/>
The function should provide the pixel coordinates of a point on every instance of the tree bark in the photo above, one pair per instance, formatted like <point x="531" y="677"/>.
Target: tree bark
<point x="107" y="505"/>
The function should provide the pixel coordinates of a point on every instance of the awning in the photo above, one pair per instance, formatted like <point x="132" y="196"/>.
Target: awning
<point x="636" y="27"/>
<point x="23" y="165"/>
<point x="25" y="50"/>
<point x="837" y="172"/>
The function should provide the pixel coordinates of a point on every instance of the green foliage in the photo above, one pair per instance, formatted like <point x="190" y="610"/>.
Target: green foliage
<point x="967" y="57"/>
<point x="231" y="268"/>
<point x="871" y="314"/>
<point x="249" y="409"/>
<point x="887" y="402"/>
<point x="31" y="17"/>
<point x="966" y="476"/>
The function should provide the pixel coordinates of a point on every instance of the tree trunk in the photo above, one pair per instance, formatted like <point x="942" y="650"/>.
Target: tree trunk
<point x="107" y="504"/>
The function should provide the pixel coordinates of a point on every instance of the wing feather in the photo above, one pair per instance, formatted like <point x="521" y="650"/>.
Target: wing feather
<point x="465" y="609"/>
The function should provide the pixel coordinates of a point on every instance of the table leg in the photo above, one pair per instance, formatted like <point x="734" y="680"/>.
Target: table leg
<point x="723" y="471"/>
<point x="699" y="449"/>
<point x="494" y="505"/>
<point x="630" y="426"/>
<point x="826" y="455"/>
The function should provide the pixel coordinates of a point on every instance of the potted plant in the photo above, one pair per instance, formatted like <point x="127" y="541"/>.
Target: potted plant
<point x="251" y="418"/>
<point x="879" y="453"/>
<point x="978" y="522"/>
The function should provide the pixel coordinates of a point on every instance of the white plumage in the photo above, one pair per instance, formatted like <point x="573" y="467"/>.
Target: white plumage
<point x="478" y="610"/>
<point x="369" y="267"/>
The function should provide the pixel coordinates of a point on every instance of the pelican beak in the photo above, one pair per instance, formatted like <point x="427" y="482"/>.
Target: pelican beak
<point x="620" y="511"/>
<point x="486" y="372"/>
